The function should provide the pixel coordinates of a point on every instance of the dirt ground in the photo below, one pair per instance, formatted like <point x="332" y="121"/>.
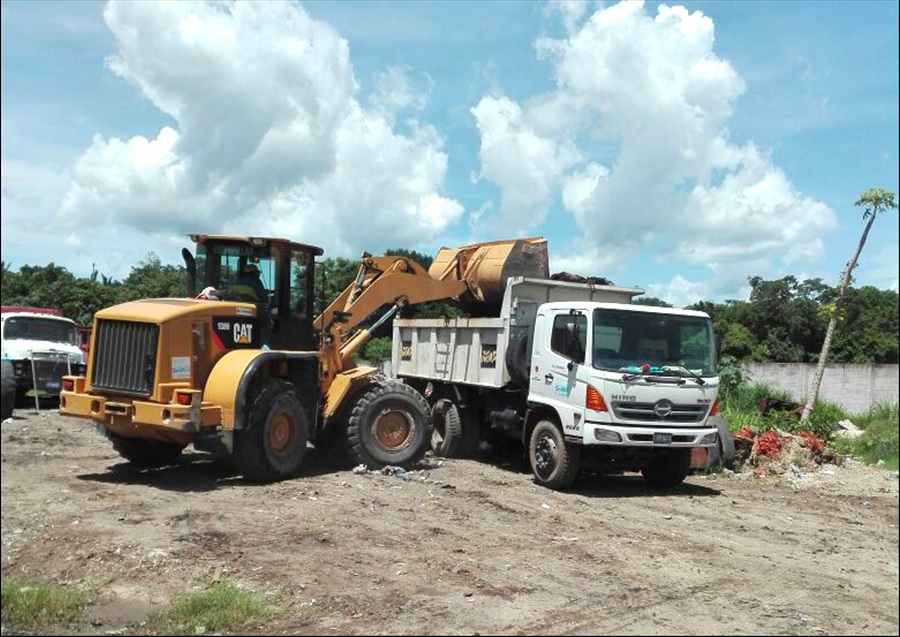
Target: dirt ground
<point x="469" y="547"/>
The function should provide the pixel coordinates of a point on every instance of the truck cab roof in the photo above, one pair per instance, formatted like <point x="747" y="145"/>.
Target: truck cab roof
<point x="648" y="309"/>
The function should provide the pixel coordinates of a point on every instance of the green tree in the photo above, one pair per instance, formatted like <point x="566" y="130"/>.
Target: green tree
<point x="874" y="202"/>
<point x="650" y="300"/>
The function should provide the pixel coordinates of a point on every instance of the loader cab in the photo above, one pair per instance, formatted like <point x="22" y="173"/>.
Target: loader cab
<point x="274" y="274"/>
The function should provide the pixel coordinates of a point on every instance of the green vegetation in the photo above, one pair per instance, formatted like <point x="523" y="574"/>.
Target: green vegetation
<point x="30" y="606"/>
<point x="221" y="607"/>
<point x="880" y="440"/>
<point x="785" y="321"/>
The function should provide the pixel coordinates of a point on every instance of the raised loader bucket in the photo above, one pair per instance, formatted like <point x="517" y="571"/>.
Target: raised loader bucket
<point x="485" y="268"/>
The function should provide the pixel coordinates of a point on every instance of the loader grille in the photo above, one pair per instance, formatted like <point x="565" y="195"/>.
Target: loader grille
<point x="125" y="357"/>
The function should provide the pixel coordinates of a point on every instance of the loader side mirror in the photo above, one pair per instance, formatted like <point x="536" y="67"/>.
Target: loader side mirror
<point x="190" y="273"/>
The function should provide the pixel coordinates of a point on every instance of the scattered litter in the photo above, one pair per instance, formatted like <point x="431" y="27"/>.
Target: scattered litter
<point x="667" y="517"/>
<point x="880" y="463"/>
<point x="361" y="470"/>
<point x="7" y="421"/>
<point x="847" y="429"/>
<point x="897" y="474"/>
<point x="396" y="472"/>
<point x="545" y="506"/>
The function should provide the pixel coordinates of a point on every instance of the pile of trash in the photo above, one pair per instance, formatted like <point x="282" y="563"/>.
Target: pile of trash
<point x="778" y="453"/>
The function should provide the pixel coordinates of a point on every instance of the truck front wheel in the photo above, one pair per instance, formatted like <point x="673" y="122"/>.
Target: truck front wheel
<point x="272" y="447"/>
<point x="388" y="425"/>
<point x="146" y="453"/>
<point x="669" y="469"/>
<point x="555" y="462"/>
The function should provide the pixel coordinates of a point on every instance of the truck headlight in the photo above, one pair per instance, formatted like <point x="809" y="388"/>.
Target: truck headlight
<point x="605" y="435"/>
<point x="710" y="438"/>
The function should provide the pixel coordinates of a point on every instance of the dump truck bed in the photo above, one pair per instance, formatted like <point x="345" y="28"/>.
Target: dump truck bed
<point x="472" y="351"/>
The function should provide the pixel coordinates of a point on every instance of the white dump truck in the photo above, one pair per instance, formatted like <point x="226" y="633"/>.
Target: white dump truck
<point x="583" y="377"/>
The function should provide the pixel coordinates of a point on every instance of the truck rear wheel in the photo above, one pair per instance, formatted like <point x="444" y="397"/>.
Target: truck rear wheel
<point x="447" y="437"/>
<point x="9" y="390"/>
<point x="273" y="445"/>
<point x="146" y="453"/>
<point x="554" y="461"/>
<point x="669" y="469"/>
<point x="388" y="425"/>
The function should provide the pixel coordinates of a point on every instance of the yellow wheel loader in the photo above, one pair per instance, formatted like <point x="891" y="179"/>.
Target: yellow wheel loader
<point x="242" y="367"/>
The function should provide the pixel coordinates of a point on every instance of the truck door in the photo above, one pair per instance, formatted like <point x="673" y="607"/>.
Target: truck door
<point x="559" y="376"/>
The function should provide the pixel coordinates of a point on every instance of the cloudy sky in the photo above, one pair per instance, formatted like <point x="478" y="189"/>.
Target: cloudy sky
<point x="676" y="148"/>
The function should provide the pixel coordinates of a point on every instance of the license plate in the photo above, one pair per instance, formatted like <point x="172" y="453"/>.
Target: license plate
<point x="662" y="439"/>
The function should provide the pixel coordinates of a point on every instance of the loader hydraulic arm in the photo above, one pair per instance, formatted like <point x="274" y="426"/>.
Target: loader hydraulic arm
<point x="380" y="281"/>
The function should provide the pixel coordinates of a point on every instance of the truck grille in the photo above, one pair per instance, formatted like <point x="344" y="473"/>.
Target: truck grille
<point x="125" y="357"/>
<point x="645" y="412"/>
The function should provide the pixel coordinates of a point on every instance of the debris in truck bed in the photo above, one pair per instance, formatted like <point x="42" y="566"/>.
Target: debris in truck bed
<point x="568" y="277"/>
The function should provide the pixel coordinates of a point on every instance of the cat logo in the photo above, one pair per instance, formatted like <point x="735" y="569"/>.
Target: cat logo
<point x="243" y="333"/>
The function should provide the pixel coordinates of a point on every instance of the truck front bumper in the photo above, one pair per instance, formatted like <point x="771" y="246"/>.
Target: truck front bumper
<point x="596" y="433"/>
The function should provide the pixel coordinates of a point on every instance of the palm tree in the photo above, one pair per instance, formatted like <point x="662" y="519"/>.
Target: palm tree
<point x="874" y="201"/>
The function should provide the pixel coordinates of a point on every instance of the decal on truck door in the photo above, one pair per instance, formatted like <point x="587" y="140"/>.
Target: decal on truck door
<point x="236" y="333"/>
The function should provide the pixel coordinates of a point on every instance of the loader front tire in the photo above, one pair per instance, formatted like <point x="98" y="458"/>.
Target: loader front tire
<point x="273" y="444"/>
<point x="389" y="425"/>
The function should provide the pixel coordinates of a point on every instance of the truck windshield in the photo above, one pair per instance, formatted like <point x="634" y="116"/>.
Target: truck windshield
<point x="626" y="341"/>
<point x="39" y="329"/>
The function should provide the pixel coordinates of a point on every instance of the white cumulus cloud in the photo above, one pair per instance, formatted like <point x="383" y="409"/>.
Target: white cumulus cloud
<point x="269" y="134"/>
<point x="652" y="88"/>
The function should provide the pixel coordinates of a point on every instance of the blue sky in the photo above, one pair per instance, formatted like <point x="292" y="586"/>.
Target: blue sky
<point x="812" y="87"/>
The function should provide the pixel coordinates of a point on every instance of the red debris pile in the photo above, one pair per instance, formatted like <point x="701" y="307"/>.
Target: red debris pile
<point x="773" y="452"/>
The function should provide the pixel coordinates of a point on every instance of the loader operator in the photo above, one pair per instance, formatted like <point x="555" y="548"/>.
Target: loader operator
<point x="249" y="286"/>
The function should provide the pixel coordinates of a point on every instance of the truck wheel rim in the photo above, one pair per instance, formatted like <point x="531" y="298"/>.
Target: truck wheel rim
<point x="546" y="456"/>
<point x="392" y="430"/>
<point x="281" y="433"/>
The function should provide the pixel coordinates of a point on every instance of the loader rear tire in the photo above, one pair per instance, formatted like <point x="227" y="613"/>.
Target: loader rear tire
<point x="9" y="390"/>
<point x="273" y="444"/>
<point x="146" y="453"/>
<point x="447" y="437"/>
<point x="389" y="425"/>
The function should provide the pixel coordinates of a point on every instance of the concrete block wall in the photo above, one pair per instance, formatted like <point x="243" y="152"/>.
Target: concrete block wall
<point x="855" y="387"/>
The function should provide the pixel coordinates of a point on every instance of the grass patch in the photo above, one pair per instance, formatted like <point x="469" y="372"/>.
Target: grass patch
<point x="881" y="438"/>
<point x="32" y="605"/>
<point x="221" y="607"/>
<point x="739" y="408"/>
